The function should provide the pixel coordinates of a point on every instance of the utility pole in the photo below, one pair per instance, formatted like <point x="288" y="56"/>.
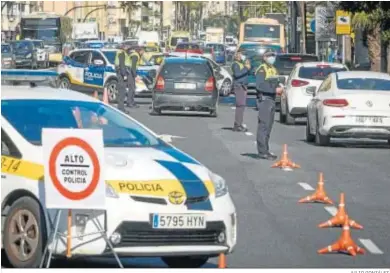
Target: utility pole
<point x="161" y="19"/>
<point x="303" y="27"/>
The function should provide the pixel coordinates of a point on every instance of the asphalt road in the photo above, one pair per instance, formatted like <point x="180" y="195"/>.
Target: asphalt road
<point x="273" y="229"/>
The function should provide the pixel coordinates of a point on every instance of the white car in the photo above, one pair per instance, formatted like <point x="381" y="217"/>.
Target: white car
<point x="223" y="77"/>
<point x="294" y="98"/>
<point x="160" y="201"/>
<point x="349" y="105"/>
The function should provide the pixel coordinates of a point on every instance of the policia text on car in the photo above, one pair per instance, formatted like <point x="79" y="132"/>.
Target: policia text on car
<point x="266" y="93"/>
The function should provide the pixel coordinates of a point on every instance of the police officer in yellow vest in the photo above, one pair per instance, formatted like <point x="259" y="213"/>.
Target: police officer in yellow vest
<point x="266" y="94"/>
<point x="125" y="77"/>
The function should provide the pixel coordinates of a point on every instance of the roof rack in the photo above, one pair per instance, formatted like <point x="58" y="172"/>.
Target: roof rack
<point x="31" y="76"/>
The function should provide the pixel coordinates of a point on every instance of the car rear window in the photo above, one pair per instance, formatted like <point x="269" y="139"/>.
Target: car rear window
<point x="285" y="64"/>
<point x="188" y="46"/>
<point x="208" y="50"/>
<point x="319" y="72"/>
<point x="189" y="70"/>
<point x="216" y="47"/>
<point x="364" y="84"/>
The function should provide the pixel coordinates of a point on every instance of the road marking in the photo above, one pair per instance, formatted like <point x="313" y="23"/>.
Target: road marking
<point x="306" y="186"/>
<point x="332" y="210"/>
<point x="368" y="244"/>
<point x="248" y="133"/>
<point x="233" y="108"/>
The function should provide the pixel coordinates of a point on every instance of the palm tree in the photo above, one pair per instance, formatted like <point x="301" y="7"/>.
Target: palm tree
<point x="370" y="23"/>
<point x="129" y="7"/>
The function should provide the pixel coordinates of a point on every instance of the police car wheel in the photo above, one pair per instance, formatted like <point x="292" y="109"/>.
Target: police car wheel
<point x="64" y="83"/>
<point x="24" y="234"/>
<point x="112" y="90"/>
<point x="185" y="261"/>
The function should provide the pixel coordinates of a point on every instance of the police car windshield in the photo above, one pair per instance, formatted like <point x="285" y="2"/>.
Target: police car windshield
<point x="110" y="55"/>
<point x="118" y="130"/>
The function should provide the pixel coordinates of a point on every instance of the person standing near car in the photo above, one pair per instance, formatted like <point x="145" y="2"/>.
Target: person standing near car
<point x="266" y="94"/>
<point x="123" y="71"/>
<point x="240" y="70"/>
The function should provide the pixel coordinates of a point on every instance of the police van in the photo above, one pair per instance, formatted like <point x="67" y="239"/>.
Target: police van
<point x="88" y="70"/>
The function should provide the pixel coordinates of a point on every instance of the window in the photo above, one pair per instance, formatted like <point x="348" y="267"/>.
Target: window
<point x="118" y="129"/>
<point x="190" y="70"/>
<point x="81" y="57"/>
<point x="262" y="31"/>
<point x="318" y="72"/>
<point x="285" y="64"/>
<point x="8" y="148"/>
<point x="5" y="49"/>
<point x="110" y="55"/>
<point x="216" y="47"/>
<point x="326" y="85"/>
<point x="176" y="40"/>
<point x="373" y="84"/>
<point x="97" y="56"/>
<point x="22" y="45"/>
<point x="38" y="44"/>
<point x="187" y="46"/>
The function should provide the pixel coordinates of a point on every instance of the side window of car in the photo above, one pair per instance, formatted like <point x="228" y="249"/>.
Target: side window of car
<point x="326" y="84"/>
<point x="97" y="56"/>
<point x="81" y="57"/>
<point x="8" y="148"/>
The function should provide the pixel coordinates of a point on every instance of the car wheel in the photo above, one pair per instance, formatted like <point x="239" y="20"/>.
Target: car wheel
<point x="388" y="141"/>
<point x="290" y="120"/>
<point x="309" y="136"/>
<point x="155" y="111"/>
<point x="64" y="83"/>
<point x="24" y="234"/>
<point x="320" y="139"/>
<point x="112" y="90"/>
<point x="282" y="116"/>
<point x="185" y="261"/>
<point x="226" y="88"/>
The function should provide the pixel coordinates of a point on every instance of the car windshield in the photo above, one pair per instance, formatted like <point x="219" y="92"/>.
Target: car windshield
<point x="216" y="47"/>
<point x="187" y="46"/>
<point x="5" y="49"/>
<point x="188" y="70"/>
<point x="319" y="72"/>
<point x="110" y="55"/>
<point x="118" y="129"/>
<point x="38" y="44"/>
<point x="176" y="40"/>
<point x="151" y="49"/>
<point x="364" y="84"/>
<point x="285" y="64"/>
<point x="22" y="45"/>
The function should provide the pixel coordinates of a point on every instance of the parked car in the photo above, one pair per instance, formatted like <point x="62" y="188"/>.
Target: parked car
<point x="25" y="54"/>
<point x="189" y="47"/>
<point x="208" y="52"/>
<point x="220" y="53"/>
<point x="7" y="57"/>
<point x="185" y="84"/>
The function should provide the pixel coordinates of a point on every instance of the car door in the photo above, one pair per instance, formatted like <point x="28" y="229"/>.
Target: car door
<point x="75" y="66"/>
<point x="316" y="101"/>
<point x="94" y="72"/>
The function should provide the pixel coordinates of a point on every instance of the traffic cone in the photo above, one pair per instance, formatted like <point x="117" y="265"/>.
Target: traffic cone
<point x="344" y="243"/>
<point x="285" y="162"/>
<point x="319" y="195"/>
<point x="222" y="261"/>
<point x="105" y="96"/>
<point x="96" y="95"/>
<point x="339" y="218"/>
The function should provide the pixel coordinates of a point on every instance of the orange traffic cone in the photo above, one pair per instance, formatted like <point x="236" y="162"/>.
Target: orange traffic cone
<point x="105" y="96"/>
<point x="339" y="218"/>
<point x="222" y="261"/>
<point x="319" y="195"/>
<point x="96" y="95"/>
<point x="344" y="243"/>
<point x="284" y="162"/>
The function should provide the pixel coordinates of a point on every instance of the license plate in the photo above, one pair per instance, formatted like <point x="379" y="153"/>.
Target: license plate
<point x="185" y="85"/>
<point x="371" y="120"/>
<point x="179" y="221"/>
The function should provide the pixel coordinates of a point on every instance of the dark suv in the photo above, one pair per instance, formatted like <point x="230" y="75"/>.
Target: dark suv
<point x="185" y="84"/>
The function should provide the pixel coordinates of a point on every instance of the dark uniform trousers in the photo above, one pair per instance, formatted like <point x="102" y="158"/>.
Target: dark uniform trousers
<point x="241" y="94"/>
<point x="266" y="106"/>
<point x="123" y="84"/>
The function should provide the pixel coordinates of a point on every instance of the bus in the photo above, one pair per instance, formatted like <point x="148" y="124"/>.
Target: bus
<point x="263" y="30"/>
<point x="55" y="30"/>
<point x="176" y="37"/>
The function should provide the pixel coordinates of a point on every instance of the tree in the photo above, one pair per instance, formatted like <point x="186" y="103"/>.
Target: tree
<point x="370" y="17"/>
<point x="129" y="7"/>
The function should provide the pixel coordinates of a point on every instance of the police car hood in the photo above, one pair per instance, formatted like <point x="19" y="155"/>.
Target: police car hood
<point x="156" y="172"/>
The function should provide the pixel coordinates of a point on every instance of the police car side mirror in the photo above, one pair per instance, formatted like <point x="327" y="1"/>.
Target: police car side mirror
<point x="311" y="90"/>
<point x="98" y="62"/>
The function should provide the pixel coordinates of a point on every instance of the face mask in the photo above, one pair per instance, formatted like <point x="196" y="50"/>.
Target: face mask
<point x="270" y="60"/>
<point x="243" y="58"/>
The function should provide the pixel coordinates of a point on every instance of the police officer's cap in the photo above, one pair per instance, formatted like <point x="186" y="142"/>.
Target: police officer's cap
<point x="269" y="52"/>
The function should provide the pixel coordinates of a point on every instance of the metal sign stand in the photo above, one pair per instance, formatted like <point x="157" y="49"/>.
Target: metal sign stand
<point x="55" y="236"/>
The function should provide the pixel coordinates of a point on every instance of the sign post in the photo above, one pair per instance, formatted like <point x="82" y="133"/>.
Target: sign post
<point x="74" y="179"/>
<point x="343" y="27"/>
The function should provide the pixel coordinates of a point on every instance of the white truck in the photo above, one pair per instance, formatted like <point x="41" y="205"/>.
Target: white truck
<point x="85" y="31"/>
<point x="145" y="37"/>
<point x="215" y="35"/>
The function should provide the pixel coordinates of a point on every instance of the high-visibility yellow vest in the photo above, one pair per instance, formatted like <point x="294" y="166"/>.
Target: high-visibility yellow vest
<point x="270" y="70"/>
<point x="241" y="65"/>
<point x="127" y="58"/>
<point x="135" y="53"/>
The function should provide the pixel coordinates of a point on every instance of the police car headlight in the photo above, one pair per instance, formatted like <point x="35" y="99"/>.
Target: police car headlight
<point x="28" y="55"/>
<point x="219" y="184"/>
<point x="110" y="192"/>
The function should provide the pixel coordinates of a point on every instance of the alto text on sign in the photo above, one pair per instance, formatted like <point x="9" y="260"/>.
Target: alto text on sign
<point x="74" y="168"/>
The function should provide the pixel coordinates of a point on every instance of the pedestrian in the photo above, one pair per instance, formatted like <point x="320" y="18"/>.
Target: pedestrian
<point x="266" y="94"/>
<point x="125" y="78"/>
<point x="240" y="70"/>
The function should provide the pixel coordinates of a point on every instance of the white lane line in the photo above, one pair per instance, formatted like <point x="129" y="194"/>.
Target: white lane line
<point x="332" y="210"/>
<point x="370" y="246"/>
<point x="248" y="133"/>
<point x="233" y="108"/>
<point x="306" y="186"/>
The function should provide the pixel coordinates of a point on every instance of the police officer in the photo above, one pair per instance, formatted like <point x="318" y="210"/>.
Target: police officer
<point x="240" y="77"/>
<point x="123" y="70"/>
<point x="266" y="93"/>
<point x="135" y="61"/>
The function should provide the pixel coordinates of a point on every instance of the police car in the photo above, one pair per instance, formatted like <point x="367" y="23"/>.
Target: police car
<point x="160" y="201"/>
<point x="89" y="70"/>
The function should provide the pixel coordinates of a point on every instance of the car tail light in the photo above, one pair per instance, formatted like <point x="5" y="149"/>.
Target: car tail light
<point x="335" y="102"/>
<point x="323" y="66"/>
<point x="295" y="58"/>
<point x="209" y="85"/>
<point x="160" y="83"/>
<point x="298" y="83"/>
